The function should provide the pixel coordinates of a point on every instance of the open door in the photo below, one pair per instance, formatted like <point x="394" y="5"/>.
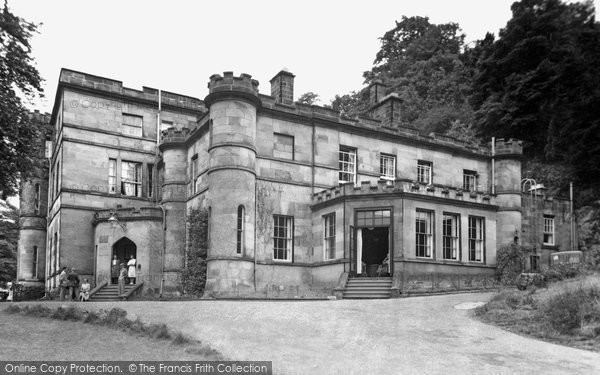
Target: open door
<point x="352" y="251"/>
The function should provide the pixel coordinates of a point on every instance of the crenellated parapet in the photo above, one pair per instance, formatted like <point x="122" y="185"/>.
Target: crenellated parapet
<point x="173" y="138"/>
<point x="508" y="147"/>
<point x="406" y="188"/>
<point x="229" y="86"/>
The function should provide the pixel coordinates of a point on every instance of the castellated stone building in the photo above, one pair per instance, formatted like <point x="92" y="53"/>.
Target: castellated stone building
<point x="300" y="200"/>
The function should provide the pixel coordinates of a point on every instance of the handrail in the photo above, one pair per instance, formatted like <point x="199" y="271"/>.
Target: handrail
<point x="128" y="294"/>
<point x="98" y="287"/>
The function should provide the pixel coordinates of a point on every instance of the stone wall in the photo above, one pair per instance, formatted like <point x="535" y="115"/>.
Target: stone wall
<point x="535" y="207"/>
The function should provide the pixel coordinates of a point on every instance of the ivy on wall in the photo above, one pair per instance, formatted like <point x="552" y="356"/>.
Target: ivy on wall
<point x="194" y="273"/>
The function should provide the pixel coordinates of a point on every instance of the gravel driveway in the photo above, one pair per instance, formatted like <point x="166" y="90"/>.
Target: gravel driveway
<point x="424" y="335"/>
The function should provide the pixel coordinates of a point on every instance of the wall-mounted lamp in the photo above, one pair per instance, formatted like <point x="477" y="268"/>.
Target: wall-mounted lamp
<point x="114" y="221"/>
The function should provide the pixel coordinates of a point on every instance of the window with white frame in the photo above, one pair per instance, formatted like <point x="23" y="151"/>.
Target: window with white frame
<point x="424" y="172"/>
<point x="131" y="179"/>
<point x="347" y="164"/>
<point x="387" y="166"/>
<point x="240" y="230"/>
<point x="476" y="238"/>
<point x="469" y="180"/>
<point x="424" y="234"/>
<point x="150" y="180"/>
<point x="329" y="236"/>
<point x="283" y="235"/>
<point x="193" y="172"/>
<point x="548" y="230"/>
<point x="450" y="236"/>
<point x="132" y="125"/>
<point x="112" y="176"/>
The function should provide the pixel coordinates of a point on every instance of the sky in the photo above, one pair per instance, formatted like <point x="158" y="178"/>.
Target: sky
<point x="177" y="45"/>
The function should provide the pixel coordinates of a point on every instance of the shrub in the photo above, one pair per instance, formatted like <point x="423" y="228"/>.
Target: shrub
<point x="180" y="339"/>
<point x="13" y="309"/>
<point x="592" y="258"/>
<point x="112" y="317"/>
<point x="510" y="262"/>
<point x="561" y="271"/>
<point x="572" y="308"/>
<point x="38" y="310"/>
<point x="159" y="331"/>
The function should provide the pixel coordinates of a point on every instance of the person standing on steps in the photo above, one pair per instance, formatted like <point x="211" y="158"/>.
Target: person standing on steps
<point x="62" y="283"/>
<point x="132" y="271"/>
<point x="73" y="280"/>
<point x="122" y="277"/>
<point x="114" y="270"/>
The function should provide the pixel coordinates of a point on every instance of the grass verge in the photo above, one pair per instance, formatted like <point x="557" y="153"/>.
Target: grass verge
<point x="116" y="318"/>
<point x="566" y="312"/>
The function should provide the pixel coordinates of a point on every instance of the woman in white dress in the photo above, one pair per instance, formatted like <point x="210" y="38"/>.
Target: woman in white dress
<point x="131" y="270"/>
<point x="84" y="292"/>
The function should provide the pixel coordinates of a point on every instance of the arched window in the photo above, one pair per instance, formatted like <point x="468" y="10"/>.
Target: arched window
<point x="37" y="199"/>
<point x="240" y="229"/>
<point x="34" y="272"/>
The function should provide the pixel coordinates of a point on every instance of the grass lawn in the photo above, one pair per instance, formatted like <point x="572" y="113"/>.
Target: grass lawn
<point x="566" y="312"/>
<point x="36" y="338"/>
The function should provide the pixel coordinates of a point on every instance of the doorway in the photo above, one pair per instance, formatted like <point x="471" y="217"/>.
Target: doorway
<point x="123" y="249"/>
<point x="371" y="246"/>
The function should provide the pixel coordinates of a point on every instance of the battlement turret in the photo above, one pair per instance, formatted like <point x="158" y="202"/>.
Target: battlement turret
<point x="228" y="86"/>
<point x="509" y="146"/>
<point x="173" y="137"/>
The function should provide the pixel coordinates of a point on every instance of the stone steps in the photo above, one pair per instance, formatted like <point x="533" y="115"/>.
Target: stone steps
<point x="368" y="288"/>
<point x="109" y="293"/>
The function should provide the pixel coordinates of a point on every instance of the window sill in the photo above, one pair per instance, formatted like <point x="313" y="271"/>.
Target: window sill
<point x="424" y="258"/>
<point x="281" y="261"/>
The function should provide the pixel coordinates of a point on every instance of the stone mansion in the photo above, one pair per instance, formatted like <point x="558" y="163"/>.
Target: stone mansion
<point x="297" y="196"/>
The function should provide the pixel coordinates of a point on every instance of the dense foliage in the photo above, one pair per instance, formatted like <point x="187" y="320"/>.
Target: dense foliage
<point x="18" y="78"/>
<point x="539" y="82"/>
<point x="9" y="235"/>
<point x="194" y="273"/>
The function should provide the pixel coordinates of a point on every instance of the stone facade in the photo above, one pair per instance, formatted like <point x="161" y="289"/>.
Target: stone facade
<point x="297" y="195"/>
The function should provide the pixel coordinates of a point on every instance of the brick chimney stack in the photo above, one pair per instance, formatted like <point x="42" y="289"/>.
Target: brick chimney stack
<point x="388" y="111"/>
<point x="282" y="87"/>
<point x="376" y="91"/>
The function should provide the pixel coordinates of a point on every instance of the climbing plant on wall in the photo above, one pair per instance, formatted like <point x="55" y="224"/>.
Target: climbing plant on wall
<point x="510" y="262"/>
<point x="194" y="273"/>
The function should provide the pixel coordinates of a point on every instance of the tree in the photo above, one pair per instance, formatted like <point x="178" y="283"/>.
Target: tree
<point x="308" y="98"/>
<point x="9" y="235"/>
<point x="351" y="105"/>
<point x="424" y="64"/>
<point x="18" y="78"/>
<point x="539" y="82"/>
